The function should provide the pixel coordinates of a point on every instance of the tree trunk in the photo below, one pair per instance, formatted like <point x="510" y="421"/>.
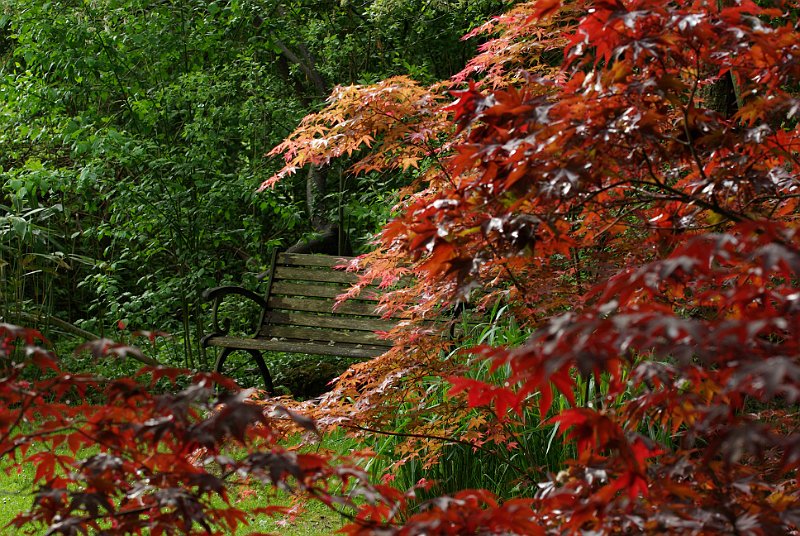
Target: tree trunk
<point x="316" y="189"/>
<point x="313" y="88"/>
<point x="720" y="96"/>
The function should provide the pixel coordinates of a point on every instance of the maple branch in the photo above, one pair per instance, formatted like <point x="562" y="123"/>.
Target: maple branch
<point x="112" y="515"/>
<point x="15" y="424"/>
<point x="429" y="436"/>
<point x="685" y="113"/>
<point x="683" y="196"/>
<point x="792" y="155"/>
<point x="306" y="64"/>
<point x="45" y="433"/>
<point x="324" y="496"/>
<point x="608" y="187"/>
<point x="514" y="280"/>
<point x="576" y="267"/>
<point x="771" y="197"/>
<point x="624" y="213"/>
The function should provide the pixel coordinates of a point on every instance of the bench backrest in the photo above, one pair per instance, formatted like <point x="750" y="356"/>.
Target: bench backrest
<point x="301" y="294"/>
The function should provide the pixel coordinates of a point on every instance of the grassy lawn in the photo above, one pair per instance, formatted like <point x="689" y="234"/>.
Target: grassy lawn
<point x="16" y="496"/>
<point x="316" y="520"/>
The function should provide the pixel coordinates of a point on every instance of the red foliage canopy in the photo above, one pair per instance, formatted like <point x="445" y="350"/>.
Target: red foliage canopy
<point x="646" y="234"/>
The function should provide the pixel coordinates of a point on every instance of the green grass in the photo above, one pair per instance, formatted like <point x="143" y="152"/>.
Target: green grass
<point x="15" y="494"/>
<point x="315" y="519"/>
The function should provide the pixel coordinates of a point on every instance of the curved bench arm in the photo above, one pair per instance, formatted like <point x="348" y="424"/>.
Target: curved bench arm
<point x="218" y="295"/>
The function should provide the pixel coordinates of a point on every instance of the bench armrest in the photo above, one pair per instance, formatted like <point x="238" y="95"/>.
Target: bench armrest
<point x="218" y="294"/>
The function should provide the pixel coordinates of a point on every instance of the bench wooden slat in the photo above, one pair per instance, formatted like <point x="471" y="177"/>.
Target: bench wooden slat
<point x="343" y="350"/>
<point x="319" y="321"/>
<point x="287" y="288"/>
<point x="313" y="305"/>
<point x="301" y="259"/>
<point x="324" y="335"/>
<point x="311" y="274"/>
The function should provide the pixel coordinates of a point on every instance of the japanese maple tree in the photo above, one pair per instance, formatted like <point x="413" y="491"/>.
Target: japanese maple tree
<point x="647" y="235"/>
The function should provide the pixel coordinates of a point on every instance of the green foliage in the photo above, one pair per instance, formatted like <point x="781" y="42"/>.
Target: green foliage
<point x="134" y="134"/>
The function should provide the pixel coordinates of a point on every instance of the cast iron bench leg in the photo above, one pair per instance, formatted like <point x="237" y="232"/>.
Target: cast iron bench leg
<point x="262" y="366"/>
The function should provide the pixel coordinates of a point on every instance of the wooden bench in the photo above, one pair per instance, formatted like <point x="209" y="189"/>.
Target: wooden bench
<point x="298" y="316"/>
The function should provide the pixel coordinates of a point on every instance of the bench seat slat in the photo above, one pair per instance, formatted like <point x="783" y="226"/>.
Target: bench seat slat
<point x="286" y="288"/>
<point x="310" y="274"/>
<point x="302" y="259"/>
<point x="322" y="306"/>
<point x="323" y="335"/>
<point x="337" y="322"/>
<point x="299" y="347"/>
